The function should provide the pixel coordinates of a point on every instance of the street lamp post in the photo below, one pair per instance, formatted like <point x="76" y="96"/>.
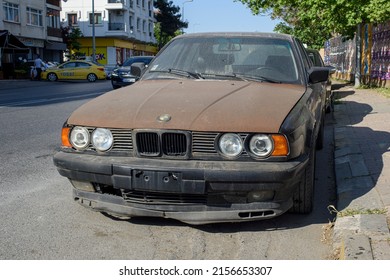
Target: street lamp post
<point x="93" y="32"/>
<point x="182" y="14"/>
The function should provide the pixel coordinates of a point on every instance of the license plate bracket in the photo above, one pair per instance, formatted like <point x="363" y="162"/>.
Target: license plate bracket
<point x="156" y="181"/>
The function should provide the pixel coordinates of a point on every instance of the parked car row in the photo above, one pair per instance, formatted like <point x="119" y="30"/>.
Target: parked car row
<point x="221" y="127"/>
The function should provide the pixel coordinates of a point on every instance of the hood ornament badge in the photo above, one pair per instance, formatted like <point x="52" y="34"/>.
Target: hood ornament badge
<point x="164" y="118"/>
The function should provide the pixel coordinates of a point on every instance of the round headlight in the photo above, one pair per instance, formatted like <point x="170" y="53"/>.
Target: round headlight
<point x="102" y="139"/>
<point x="230" y="144"/>
<point x="261" y="145"/>
<point x="79" y="137"/>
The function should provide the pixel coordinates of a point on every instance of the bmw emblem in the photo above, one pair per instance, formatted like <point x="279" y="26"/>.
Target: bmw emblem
<point x="164" y="118"/>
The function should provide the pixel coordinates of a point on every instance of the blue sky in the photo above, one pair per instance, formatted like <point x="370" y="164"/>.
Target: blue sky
<point x="222" y="15"/>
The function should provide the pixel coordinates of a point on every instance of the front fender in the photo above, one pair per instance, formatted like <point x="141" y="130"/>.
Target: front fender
<point x="302" y="124"/>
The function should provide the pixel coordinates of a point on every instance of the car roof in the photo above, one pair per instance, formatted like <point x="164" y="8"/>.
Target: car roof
<point x="239" y="34"/>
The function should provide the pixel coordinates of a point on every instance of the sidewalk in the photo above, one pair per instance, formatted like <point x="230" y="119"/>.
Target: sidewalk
<point x="362" y="167"/>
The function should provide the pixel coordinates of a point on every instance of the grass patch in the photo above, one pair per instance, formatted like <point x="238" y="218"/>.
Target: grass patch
<point x="381" y="90"/>
<point x="353" y="212"/>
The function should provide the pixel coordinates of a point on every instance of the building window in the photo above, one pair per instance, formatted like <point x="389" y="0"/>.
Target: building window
<point x="138" y="2"/>
<point x="72" y="19"/>
<point x="144" y="26"/>
<point x="98" y="18"/>
<point x="143" y="4"/>
<point x="131" y="24"/>
<point x="53" y="18"/>
<point x="11" y="12"/>
<point x="131" y="4"/>
<point x="34" y="17"/>
<point x="138" y="24"/>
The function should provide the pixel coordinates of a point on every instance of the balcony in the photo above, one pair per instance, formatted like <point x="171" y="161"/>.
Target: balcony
<point x="115" y="26"/>
<point x="116" y="5"/>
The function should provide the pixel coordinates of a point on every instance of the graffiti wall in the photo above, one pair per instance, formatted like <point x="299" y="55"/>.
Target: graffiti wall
<point x="340" y="53"/>
<point x="375" y="55"/>
<point x="380" y="53"/>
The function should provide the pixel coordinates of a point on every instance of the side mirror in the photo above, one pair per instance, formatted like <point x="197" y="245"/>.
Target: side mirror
<point x="332" y="69"/>
<point x="137" y="69"/>
<point x="318" y="74"/>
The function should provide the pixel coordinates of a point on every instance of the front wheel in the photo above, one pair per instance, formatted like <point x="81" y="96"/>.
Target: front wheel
<point x="91" y="77"/>
<point x="52" y="77"/>
<point x="304" y="196"/>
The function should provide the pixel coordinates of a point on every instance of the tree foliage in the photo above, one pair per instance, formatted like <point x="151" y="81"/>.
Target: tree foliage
<point x="71" y="36"/>
<point x="168" y="21"/>
<point x="314" y="21"/>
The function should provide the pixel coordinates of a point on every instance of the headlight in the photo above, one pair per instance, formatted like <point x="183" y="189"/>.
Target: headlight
<point x="261" y="145"/>
<point x="79" y="137"/>
<point x="102" y="139"/>
<point x="230" y="145"/>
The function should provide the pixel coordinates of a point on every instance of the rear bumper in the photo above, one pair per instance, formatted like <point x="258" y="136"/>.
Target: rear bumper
<point x="209" y="180"/>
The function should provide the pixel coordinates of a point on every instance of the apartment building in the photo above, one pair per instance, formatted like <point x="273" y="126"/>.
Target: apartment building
<point x="36" y="23"/>
<point x="121" y="28"/>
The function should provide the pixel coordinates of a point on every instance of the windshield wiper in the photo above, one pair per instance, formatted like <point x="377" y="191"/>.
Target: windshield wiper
<point x="185" y="73"/>
<point x="180" y="72"/>
<point x="256" y="78"/>
<point x="243" y="77"/>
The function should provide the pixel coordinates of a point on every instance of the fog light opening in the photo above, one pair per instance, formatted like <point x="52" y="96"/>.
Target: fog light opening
<point x="83" y="186"/>
<point x="260" y="196"/>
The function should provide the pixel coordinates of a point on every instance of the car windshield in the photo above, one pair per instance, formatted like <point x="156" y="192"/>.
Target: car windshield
<point x="240" y="58"/>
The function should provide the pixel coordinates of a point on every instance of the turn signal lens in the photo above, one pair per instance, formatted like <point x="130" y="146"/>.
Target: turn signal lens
<point x="65" y="137"/>
<point x="280" y="145"/>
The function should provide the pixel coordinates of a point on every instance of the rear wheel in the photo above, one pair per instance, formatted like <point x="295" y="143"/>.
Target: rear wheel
<point x="52" y="77"/>
<point x="304" y="197"/>
<point x="91" y="77"/>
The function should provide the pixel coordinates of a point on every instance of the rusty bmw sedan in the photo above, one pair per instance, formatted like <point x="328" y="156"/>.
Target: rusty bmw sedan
<point x="221" y="127"/>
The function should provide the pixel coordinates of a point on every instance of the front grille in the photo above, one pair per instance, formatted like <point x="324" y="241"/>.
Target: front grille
<point x="180" y="144"/>
<point x="174" y="144"/>
<point x="167" y="143"/>
<point x="148" y="144"/>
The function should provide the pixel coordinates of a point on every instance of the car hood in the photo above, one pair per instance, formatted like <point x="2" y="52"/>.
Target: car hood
<point x="197" y="105"/>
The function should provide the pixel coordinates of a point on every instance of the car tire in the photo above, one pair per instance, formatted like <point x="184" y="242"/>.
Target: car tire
<point x="304" y="197"/>
<point x="114" y="86"/>
<point x="91" y="77"/>
<point x="52" y="77"/>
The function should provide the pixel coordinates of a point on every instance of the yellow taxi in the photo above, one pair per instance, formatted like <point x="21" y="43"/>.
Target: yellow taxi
<point x="75" y="70"/>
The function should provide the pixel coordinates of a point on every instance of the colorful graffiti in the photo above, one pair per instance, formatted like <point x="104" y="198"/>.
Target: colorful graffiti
<point x="380" y="53"/>
<point x="340" y="53"/>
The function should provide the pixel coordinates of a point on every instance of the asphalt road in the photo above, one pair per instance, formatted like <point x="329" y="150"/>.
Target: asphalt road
<point x="39" y="219"/>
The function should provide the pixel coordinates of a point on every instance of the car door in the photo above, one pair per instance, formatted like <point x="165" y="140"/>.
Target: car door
<point x="82" y="70"/>
<point x="67" y="71"/>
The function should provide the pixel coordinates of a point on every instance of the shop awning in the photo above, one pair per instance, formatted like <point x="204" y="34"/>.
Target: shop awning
<point x="9" y="43"/>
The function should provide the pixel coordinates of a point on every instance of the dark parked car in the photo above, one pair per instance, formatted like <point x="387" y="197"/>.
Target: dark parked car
<point x="220" y="127"/>
<point x="316" y="58"/>
<point x="122" y="76"/>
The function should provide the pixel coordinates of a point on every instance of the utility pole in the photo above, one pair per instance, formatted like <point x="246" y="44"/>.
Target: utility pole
<point x="93" y="32"/>
<point x="358" y="56"/>
<point x="182" y="14"/>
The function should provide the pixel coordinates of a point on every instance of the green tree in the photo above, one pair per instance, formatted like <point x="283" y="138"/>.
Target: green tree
<point x="314" y="21"/>
<point x="168" y="20"/>
<point x="71" y="36"/>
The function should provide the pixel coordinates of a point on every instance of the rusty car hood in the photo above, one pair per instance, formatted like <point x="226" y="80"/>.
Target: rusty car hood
<point x="197" y="105"/>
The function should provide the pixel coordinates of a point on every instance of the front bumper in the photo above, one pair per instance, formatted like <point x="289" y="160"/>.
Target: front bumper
<point x="122" y="81"/>
<point x="183" y="178"/>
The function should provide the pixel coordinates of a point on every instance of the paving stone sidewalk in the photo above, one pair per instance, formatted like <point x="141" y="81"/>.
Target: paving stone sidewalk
<point x="362" y="167"/>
